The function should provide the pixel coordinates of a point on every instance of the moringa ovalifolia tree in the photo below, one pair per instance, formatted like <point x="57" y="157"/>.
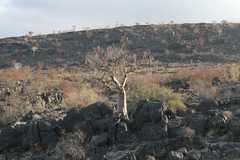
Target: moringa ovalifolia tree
<point x="114" y="63"/>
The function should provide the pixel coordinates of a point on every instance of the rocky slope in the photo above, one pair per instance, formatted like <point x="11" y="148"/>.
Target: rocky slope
<point x="91" y="133"/>
<point x="168" y="43"/>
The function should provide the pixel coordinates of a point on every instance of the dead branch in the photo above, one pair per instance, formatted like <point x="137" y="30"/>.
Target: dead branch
<point x="125" y="80"/>
<point x="116" y="81"/>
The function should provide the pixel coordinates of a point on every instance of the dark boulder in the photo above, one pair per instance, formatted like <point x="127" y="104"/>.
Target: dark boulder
<point x="28" y="134"/>
<point x="223" y="150"/>
<point x="196" y="121"/>
<point x="207" y="104"/>
<point x="149" y="157"/>
<point x="234" y="128"/>
<point x="218" y="122"/>
<point x="93" y="116"/>
<point x="42" y="132"/>
<point x="156" y="149"/>
<point x="150" y="131"/>
<point x="193" y="155"/>
<point x="11" y="137"/>
<point x="99" y="140"/>
<point x="178" y="84"/>
<point x="150" y="111"/>
<point x="181" y="132"/>
<point x="120" y="155"/>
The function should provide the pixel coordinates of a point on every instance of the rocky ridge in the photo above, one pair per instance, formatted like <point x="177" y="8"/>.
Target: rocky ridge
<point x="180" y="43"/>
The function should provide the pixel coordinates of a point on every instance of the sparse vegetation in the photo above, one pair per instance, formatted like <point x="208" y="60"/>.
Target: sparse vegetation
<point x="79" y="90"/>
<point x="174" y="100"/>
<point x="205" y="89"/>
<point x="79" y="94"/>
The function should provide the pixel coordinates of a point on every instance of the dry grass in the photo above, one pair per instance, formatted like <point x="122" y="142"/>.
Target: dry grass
<point x="199" y="77"/>
<point x="194" y="73"/>
<point x="79" y="94"/>
<point x="79" y="91"/>
<point x="13" y="74"/>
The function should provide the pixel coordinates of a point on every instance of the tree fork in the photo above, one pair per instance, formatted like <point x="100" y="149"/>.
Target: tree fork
<point x="122" y="100"/>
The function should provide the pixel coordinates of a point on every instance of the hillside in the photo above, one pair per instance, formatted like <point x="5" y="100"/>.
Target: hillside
<point x="182" y="43"/>
<point x="51" y="109"/>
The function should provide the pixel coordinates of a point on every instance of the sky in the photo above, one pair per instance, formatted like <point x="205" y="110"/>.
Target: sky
<point x="18" y="17"/>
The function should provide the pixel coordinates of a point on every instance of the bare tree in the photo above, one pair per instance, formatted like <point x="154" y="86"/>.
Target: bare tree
<point x="122" y="100"/>
<point x="114" y="63"/>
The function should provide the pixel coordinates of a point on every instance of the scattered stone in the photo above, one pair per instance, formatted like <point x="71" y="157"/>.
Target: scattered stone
<point x="99" y="140"/>
<point x="173" y="155"/>
<point x="193" y="155"/>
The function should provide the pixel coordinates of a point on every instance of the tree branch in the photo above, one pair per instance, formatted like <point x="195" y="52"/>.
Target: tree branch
<point x="116" y="81"/>
<point x="125" y="80"/>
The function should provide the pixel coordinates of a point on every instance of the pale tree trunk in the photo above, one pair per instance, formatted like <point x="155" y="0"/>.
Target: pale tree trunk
<point x="122" y="103"/>
<point x="122" y="99"/>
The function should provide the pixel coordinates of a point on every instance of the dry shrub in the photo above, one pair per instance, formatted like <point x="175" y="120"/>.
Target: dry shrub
<point x="203" y="73"/>
<point x="43" y="79"/>
<point x="79" y="94"/>
<point x="233" y="72"/>
<point x="14" y="108"/>
<point x="76" y="91"/>
<point x="204" y="89"/>
<point x="174" y="100"/>
<point x="147" y="79"/>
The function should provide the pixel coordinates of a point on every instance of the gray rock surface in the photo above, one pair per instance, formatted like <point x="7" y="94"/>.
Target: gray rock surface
<point x="88" y="133"/>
